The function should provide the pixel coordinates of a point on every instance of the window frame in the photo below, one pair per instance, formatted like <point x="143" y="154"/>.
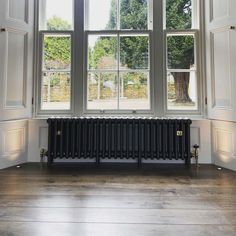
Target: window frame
<point x="194" y="32"/>
<point x="41" y="70"/>
<point x="158" y="80"/>
<point x="118" y="33"/>
<point x="198" y="30"/>
<point x="38" y="112"/>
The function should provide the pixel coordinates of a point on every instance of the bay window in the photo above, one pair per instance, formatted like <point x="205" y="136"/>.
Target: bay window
<point x="104" y="61"/>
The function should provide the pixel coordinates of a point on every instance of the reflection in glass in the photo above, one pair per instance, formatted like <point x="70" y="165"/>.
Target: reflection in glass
<point x="102" y="91"/>
<point x="56" y="91"/>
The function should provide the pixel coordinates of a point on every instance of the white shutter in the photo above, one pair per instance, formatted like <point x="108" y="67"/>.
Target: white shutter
<point x="16" y="60"/>
<point x="221" y="78"/>
<point x="221" y="57"/>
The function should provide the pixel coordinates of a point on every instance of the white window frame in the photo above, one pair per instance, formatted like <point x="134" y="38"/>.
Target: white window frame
<point x="197" y="30"/>
<point x="158" y="80"/>
<point x="38" y="72"/>
<point x="195" y="33"/>
<point x="41" y="71"/>
<point x="119" y="33"/>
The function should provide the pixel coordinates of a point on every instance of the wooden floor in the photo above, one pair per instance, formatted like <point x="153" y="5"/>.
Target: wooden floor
<point x="117" y="200"/>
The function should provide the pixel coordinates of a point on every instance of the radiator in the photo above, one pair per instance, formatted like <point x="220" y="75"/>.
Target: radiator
<point x="119" y="138"/>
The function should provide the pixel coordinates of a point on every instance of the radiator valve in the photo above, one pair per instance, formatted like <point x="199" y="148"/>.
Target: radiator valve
<point x="195" y="154"/>
<point x="43" y="153"/>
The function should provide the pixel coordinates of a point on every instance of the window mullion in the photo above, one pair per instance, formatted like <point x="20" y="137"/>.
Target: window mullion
<point x="79" y="57"/>
<point x="118" y="70"/>
<point x="118" y="15"/>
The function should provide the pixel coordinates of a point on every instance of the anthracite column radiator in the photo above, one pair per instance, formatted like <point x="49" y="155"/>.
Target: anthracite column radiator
<point x="119" y="138"/>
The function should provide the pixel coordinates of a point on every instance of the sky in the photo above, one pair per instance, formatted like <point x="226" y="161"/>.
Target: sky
<point x="98" y="13"/>
<point x="60" y="8"/>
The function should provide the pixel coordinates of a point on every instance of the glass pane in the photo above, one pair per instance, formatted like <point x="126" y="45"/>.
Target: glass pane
<point x="56" y="14"/>
<point x="182" y="90"/>
<point x="178" y="14"/>
<point x="134" y="14"/>
<point x="102" y="14"/>
<point x="134" y="52"/>
<point x="134" y="91"/>
<point x="102" y="52"/>
<point x="56" y="91"/>
<point x="180" y="52"/>
<point x="57" y="52"/>
<point x="102" y="91"/>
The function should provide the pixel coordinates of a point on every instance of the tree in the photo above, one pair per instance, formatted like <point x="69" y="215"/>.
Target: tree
<point x="133" y="15"/>
<point x="57" y="55"/>
<point x="56" y="23"/>
<point x="57" y="52"/>
<point x="133" y="50"/>
<point x="105" y="48"/>
<point x="180" y="48"/>
<point x="57" y="49"/>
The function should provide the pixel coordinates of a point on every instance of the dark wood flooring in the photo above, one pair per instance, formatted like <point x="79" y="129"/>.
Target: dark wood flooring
<point x="117" y="200"/>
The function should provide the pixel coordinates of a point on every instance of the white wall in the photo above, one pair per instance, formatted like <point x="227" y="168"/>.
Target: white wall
<point x="224" y="144"/>
<point x="16" y="76"/>
<point x="200" y="134"/>
<point x="13" y="143"/>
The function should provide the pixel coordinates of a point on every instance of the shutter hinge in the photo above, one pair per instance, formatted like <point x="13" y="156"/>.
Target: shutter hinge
<point x="32" y="101"/>
<point x="205" y="101"/>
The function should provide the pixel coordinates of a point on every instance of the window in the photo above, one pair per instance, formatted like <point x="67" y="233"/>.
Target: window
<point x="56" y="15"/>
<point x="181" y="61"/>
<point x="56" y="71"/>
<point x="118" y="56"/>
<point x="108" y="56"/>
<point x="56" y="33"/>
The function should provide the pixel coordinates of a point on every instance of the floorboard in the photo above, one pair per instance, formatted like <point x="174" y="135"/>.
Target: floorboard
<point x="117" y="200"/>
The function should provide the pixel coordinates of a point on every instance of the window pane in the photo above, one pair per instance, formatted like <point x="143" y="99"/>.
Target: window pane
<point x="56" y="14"/>
<point x="180" y="51"/>
<point x="182" y="90"/>
<point x="102" y="52"/>
<point x="134" y="14"/>
<point x="56" y="91"/>
<point x="134" y="91"/>
<point x="102" y="14"/>
<point x="102" y="91"/>
<point x="134" y="52"/>
<point x="57" y="52"/>
<point x="178" y="14"/>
